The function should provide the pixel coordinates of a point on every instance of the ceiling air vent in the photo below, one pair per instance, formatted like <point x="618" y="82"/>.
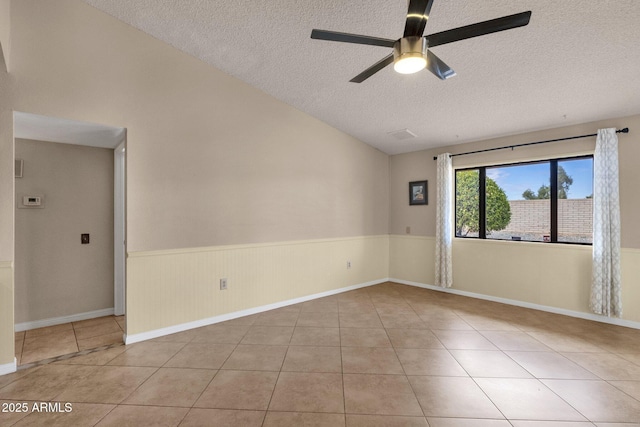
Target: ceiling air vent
<point x="402" y="134"/>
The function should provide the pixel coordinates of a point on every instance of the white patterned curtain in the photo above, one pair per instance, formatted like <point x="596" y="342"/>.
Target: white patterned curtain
<point x="605" y="284"/>
<point x="444" y="225"/>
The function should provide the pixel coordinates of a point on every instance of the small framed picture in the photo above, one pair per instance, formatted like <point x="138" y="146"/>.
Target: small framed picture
<point x="418" y="193"/>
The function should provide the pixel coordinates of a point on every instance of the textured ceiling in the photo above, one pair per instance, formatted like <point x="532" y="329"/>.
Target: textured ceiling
<point x="576" y="61"/>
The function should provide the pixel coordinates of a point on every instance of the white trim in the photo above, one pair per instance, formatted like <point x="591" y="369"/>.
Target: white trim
<point x="161" y="252"/>
<point x="412" y="237"/>
<point x="9" y="368"/>
<point x="556" y="310"/>
<point x="522" y="243"/>
<point x="19" y="327"/>
<point x="143" y="336"/>
<point x="65" y="131"/>
<point x="475" y="241"/>
<point x="119" y="227"/>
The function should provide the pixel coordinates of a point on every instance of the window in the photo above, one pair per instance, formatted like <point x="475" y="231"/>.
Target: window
<point x="546" y="201"/>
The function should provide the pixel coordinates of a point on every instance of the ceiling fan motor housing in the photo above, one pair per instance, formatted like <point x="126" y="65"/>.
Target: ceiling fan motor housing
<point x="408" y="47"/>
<point x="410" y="53"/>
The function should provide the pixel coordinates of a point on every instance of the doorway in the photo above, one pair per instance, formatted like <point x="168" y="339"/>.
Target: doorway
<point x="66" y="298"/>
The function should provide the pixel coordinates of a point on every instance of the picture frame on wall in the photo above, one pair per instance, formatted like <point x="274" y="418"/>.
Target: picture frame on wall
<point x="418" y="193"/>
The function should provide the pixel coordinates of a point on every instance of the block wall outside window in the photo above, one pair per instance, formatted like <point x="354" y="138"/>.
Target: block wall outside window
<point x="575" y="218"/>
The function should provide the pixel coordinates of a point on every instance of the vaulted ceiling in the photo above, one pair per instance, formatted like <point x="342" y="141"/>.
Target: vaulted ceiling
<point x="576" y="61"/>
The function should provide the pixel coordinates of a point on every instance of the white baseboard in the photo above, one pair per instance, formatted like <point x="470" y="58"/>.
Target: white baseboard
<point x="64" y="319"/>
<point x="130" y="339"/>
<point x="9" y="368"/>
<point x="143" y="336"/>
<point x="571" y="313"/>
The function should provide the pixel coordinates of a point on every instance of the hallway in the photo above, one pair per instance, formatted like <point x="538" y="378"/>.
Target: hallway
<point x="40" y="344"/>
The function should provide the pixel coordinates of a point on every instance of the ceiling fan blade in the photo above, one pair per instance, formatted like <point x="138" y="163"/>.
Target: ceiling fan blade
<point x="479" y="29"/>
<point x="417" y="17"/>
<point x="373" y="69"/>
<point x="438" y="67"/>
<point x="351" y="38"/>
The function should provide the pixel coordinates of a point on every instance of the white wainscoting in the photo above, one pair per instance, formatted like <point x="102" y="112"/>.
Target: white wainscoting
<point x="130" y="339"/>
<point x="550" y="277"/>
<point x="7" y="334"/>
<point x="180" y="288"/>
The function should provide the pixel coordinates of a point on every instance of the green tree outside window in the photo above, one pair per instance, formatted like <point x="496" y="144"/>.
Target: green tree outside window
<point x="498" y="211"/>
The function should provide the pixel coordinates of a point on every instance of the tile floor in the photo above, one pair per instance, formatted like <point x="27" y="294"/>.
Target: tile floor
<point x="44" y="343"/>
<point x="387" y="355"/>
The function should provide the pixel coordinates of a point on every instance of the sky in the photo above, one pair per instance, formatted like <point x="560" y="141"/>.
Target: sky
<point x="514" y="180"/>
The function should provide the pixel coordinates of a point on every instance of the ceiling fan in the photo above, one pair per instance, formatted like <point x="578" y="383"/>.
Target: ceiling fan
<point x="411" y="52"/>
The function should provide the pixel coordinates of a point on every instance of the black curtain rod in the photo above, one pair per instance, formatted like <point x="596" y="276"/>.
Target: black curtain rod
<point x="625" y="130"/>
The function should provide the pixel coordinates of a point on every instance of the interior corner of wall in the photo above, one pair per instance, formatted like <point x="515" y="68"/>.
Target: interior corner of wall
<point x="4" y="55"/>
<point x="5" y="32"/>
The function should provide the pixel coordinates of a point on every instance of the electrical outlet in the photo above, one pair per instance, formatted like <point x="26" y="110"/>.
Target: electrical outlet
<point x="223" y="284"/>
<point x="408" y="230"/>
<point x="348" y="265"/>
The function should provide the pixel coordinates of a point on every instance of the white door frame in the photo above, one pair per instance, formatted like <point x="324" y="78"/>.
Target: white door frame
<point x="119" y="228"/>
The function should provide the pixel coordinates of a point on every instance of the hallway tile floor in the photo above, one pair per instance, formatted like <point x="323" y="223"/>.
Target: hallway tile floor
<point x="386" y="355"/>
<point x="44" y="343"/>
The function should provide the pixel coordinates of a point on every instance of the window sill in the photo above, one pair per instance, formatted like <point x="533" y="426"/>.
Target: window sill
<point x="566" y="245"/>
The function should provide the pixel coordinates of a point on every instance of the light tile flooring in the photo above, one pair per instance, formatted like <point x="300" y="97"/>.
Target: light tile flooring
<point x="44" y="343"/>
<point x="387" y="355"/>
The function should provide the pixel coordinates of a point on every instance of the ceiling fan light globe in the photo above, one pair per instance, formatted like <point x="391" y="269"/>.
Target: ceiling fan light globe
<point x="409" y="64"/>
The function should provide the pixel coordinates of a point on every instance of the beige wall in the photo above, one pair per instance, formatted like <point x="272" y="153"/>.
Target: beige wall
<point x="55" y="275"/>
<point x="5" y="31"/>
<point x="6" y="171"/>
<point x="553" y="275"/>
<point x="6" y="226"/>
<point x="210" y="160"/>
